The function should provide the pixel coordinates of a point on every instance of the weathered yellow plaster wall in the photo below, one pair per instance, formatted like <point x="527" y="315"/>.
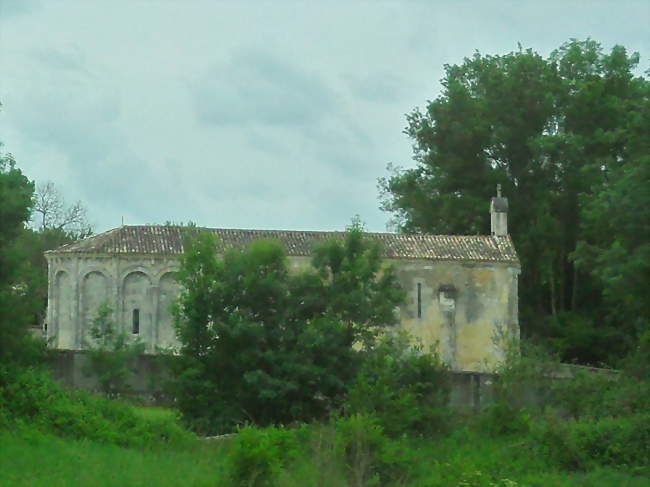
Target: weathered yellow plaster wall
<point x="464" y="329"/>
<point x="465" y="307"/>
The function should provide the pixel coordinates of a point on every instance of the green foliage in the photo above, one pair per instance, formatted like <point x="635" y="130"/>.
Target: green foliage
<point x="621" y="441"/>
<point x="30" y="398"/>
<point x="576" y="337"/>
<point x="345" y="451"/>
<point x="111" y="353"/>
<point x="29" y="249"/>
<point x="253" y="460"/>
<point x="16" y="197"/>
<point x="616" y="248"/>
<point x="357" y="290"/>
<point x="16" y="303"/>
<point x="262" y="345"/>
<point x="637" y="363"/>
<point x="256" y="455"/>
<point x="370" y="457"/>
<point x="525" y="378"/>
<point x="406" y="389"/>
<point x="566" y="137"/>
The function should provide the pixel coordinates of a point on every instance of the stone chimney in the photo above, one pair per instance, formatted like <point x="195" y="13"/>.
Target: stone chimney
<point x="499" y="214"/>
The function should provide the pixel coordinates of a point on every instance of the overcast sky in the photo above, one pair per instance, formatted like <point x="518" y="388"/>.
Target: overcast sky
<point x="271" y="115"/>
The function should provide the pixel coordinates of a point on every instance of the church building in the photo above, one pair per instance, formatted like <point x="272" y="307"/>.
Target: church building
<point x="461" y="290"/>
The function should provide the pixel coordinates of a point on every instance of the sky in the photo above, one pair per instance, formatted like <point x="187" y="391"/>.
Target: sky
<point x="250" y="114"/>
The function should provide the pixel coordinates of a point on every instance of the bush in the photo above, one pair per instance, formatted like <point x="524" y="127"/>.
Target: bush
<point x="637" y="363"/>
<point x="254" y="460"/>
<point x="608" y="441"/>
<point x="406" y="390"/>
<point x="257" y="455"/>
<point x="501" y="418"/>
<point x="345" y="451"/>
<point x="31" y="397"/>
<point x="111" y="353"/>
<point x="583" y="395"/>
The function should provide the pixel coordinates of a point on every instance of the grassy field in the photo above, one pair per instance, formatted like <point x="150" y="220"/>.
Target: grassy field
<point x="464" y="458"/>
<point x="51" y="436"/>
<point x="30" y="458"/>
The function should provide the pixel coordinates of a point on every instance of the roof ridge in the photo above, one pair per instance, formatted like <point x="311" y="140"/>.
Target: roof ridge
<point x="162" y="225"/>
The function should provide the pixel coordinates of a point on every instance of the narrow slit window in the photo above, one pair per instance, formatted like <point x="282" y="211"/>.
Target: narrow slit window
<point x="136" y="321"/>
<point x="419" y="300"/>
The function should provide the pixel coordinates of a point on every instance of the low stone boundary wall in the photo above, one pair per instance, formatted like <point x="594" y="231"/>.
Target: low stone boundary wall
<point x="469" y="391"/>
<point x="71" y="368"/>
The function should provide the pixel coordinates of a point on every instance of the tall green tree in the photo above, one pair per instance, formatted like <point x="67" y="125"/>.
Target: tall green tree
<point x="16" y="346"/>
<point x="263" y="345"/>
<point x="551" y="131"/>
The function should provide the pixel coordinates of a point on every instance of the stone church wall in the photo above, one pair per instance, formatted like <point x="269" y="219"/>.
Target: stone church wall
<point x="138" y="289"/>
<point x="457" y="307"/>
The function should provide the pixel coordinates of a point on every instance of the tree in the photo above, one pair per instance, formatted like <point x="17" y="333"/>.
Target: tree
<point x="52" y="214"/>
<point x="355" y="290"/>
<point x="111" y="353"/>
<point x="551" y="132"/>
<point x="16" y="346"/>
<point x="262" y="345"/>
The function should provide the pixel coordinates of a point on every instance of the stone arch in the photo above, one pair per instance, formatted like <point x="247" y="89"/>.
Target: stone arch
<point x="64" y="328"/>
<point x="169" y="291"/>
<point x="94" y="293"/>
<point x="137" y="307"/>
<point x="168" y="271"/>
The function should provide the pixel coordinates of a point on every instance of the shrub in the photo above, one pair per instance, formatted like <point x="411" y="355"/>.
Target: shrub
<point x="111" y="353"/>
<point x="406" y="390"/>
<point x="31" y="397"/>
<point x="362" y="442"/>
<point x="257" y="455"/>
<point x="581" y="445"/>
<point x="253" y="459"/>
<point x="637" y="363"/>
<point x="583" y="394"/>
<point x="500" y="418"/>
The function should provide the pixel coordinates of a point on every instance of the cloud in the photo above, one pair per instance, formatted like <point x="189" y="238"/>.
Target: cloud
<point x="378" y="87"/>
<point x="255" y="87"/>
<point x="10" y="8"/>
<point x="73" y="118"/>
<point x="71" y="59"/>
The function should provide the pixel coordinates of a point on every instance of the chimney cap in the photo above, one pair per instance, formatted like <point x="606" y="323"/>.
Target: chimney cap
<point x="499" y="203"/>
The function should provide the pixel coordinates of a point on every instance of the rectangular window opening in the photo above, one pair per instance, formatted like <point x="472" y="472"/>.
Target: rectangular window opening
<point x="136" y="321"/>
<point x="419" y="300"/>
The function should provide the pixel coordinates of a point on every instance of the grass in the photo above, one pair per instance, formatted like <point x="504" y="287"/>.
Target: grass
<point x="33" y="458"/>
<point x="50" y="436"/>
<point x="29" y="457"/>
<point x="468" y="458"/>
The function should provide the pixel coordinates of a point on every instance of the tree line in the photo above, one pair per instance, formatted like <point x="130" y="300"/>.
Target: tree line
<point x="568" y="139"/>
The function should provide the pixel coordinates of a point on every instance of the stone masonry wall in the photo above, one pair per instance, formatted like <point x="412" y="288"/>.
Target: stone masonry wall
<point x="459" y="308"/>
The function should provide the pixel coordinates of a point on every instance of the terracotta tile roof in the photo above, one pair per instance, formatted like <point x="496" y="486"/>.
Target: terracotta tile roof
<point x="168" y="240"/>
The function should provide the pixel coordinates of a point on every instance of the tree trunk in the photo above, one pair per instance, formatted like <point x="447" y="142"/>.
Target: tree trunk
<point x="574" y="288"/>
<point x="552" y="284"/>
